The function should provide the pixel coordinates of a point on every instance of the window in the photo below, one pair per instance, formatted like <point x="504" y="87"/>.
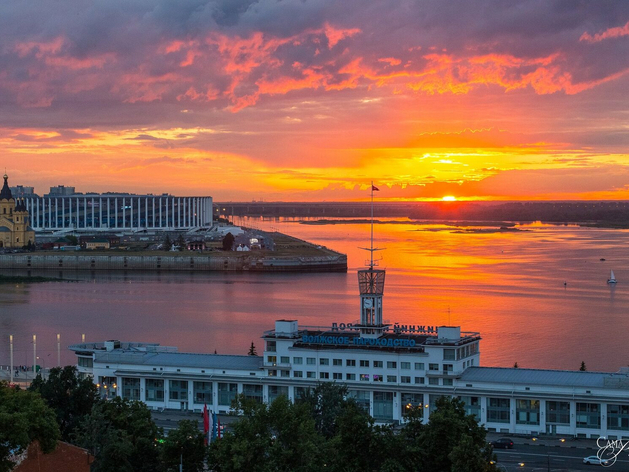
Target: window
<point x="412" y="401"/>
<point x="391" y="365"/>
<point x="405" y="365"/>
<point x="178" y="390"/>
<point x="324" y="361"/>
<point x="350" y="376"/>
<point x="419" y="366"/>
<point x="298" y="374"/>
<point x="311" y="361"/>
<point x="618" y="417"/>
<point x="86" y="362"/>
<point x="448" y="368"/>
<point x="131" y="388"/>
<point x="270" y="346"/>
<point x="558" y="412"/>
<point x="337" y="362"/>
<point x="588" y="415"/>
<point x="498" y="410"/>
<point x="252" y="392"/>
<point x="298" y="360"/>
<point x="419" y="380"/>
<point x="272" y="373"/>
<point x="324" y="375"/>
<point x="448" y="382"/>
<point x="226" y="393"/>
<point x="364" y="377"/>
<point x="432" y="381"/>
<point x="392" y="378"/>
<point x="337" y="376"/>
<point x="472" y="406"/>
<point x="277" y="390"/>
<point x="433" y="367"/>
<point x="202" y="392"/>
<point x="383" y="405"/>
<point x="405" y="379"/>
<point x="449" y="355"/>
<point x="284" y="373"/>
<point x="364" y="363"/>
<point x="377" y="364"/>
<point x="271" y="359"/>
<point x="527" y="411"/>
<point x="350" y="362"/>
<point x="362" y="399"/>
<point x="285" y="360"/>
<point x="154" y="390"/>
<point x="311" y="375"/>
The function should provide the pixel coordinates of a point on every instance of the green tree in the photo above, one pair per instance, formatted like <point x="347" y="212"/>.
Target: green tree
<point x="70" y="397"/>
<point x="24" y="417"/>
<point x="276" y="437"/>
<point x="181" y="242"/>
<point x="326" y="403"/>
<point x="228" y="242"/>
<point x="167" y="244"/>
<point x="252" y="350"/>
<point x="124" y="430"/>
<point x="515" y="366"/>
<point x="582" y="368"/>
<point x="450" y="428"/>
<point x="186" y="445"/>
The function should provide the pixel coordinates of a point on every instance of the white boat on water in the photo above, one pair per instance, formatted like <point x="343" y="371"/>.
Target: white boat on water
<point x="612" y="278"/>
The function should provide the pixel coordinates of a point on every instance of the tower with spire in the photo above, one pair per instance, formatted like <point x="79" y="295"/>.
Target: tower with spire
<point x="371" y="287"/>
<point x="15" y="231"/>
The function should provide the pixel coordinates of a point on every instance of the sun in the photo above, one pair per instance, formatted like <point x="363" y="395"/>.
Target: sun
<point x="449" y="198"/>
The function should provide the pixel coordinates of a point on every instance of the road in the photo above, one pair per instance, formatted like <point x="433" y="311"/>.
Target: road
<point x="555" y="459"/>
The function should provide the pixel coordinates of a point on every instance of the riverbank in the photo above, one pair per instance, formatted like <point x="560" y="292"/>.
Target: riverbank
<point x="290" y="255"/>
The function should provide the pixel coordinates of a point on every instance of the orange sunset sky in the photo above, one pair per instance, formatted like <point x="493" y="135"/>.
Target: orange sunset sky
<point x="311" y="100"/>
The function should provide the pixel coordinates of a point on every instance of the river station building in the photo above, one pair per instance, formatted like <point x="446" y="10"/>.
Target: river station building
<point x="387" y="369"/>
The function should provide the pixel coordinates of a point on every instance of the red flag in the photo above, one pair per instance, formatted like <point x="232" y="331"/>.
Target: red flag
<point x="219" y="429"/>
<point x="206" y="422"/>
<point x="374" y="188"/>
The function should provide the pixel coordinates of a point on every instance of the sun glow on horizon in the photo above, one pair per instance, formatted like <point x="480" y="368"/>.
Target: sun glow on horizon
<point x="449" y="198"/>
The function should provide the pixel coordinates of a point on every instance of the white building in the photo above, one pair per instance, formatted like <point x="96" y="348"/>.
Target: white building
<point x="386" y="368"/>
<point x="118" y="212"/>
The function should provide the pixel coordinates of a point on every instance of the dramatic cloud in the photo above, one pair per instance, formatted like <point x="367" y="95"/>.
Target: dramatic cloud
<point x="308" y="94"/>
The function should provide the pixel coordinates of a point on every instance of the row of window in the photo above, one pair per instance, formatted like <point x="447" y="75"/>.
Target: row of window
<point x="350" y="363"/>
<point x="405" y="379"/>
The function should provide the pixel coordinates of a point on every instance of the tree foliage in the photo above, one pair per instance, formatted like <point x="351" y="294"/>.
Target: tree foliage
<point x="583" y="368"/>
<point x="24" y="417"/>
<point x="70" y="397"/>
<point x="228" y="242"/>
<point x="184" y="445"/>
<point x="252" y="350"/>
<point x="121" y="435"/>
<point x="326" y="430"/>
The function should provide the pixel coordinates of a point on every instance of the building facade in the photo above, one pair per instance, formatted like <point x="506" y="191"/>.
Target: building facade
<point x="118" y="212"/>
<point x="388" y="369"/>
<point x="15" y="231"/>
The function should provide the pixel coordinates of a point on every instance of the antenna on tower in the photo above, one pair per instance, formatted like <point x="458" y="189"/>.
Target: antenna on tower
<point x="372" y="249"/>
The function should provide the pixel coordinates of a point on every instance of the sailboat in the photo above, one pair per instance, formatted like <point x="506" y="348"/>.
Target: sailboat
<point x="612" y="278"/>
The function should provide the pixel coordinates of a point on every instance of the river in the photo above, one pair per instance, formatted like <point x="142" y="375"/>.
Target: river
<point x="537" y="294"/>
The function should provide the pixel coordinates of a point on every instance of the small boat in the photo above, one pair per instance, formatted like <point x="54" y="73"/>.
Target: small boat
<point x="612" y="278"/>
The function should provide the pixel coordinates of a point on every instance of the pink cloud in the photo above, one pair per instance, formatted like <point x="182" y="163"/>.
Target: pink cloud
<point x="615" y="32"/>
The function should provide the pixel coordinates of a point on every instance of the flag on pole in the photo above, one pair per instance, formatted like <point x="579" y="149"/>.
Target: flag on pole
<point x="374" y="188"/>
<point x="219" y="429"/>
<point x="206" y="423"/>
<point x="214" y="426"/>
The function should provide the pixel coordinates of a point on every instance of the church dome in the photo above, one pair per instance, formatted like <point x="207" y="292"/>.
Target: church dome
<point x="5" y="193"/>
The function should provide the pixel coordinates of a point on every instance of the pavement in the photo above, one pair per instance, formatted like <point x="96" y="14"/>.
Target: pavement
<point x="567" y="442"/>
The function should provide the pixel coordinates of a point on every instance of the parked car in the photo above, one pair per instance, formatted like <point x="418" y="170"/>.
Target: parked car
<point x="595" y="460"/>
<point x="502" y="443"/>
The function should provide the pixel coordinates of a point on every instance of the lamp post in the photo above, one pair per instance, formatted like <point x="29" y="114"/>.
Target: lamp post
<point x="43" y="375"/>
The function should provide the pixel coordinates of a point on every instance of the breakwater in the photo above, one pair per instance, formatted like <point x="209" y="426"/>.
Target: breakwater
<point x="83" y="260"/>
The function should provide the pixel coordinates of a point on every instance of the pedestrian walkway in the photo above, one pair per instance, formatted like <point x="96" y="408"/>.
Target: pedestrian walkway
<point x="21" y="377"/>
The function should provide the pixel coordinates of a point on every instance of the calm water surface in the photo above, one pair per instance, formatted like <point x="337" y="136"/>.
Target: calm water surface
<point x="509" y="286"/>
